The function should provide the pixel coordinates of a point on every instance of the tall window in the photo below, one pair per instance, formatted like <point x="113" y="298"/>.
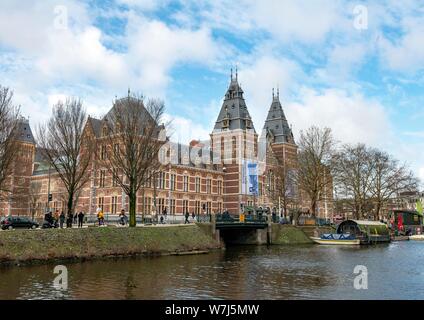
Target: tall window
<point x="114" y="207"/>
<point x="208" y="207"/>
<point x="197" y="208"/>
<point x="115" y="179"/>
<point x="103" y="152"/>
<point x="161" y="180"/>
<point x="234" y="147"/>
<point x="172" y="206"/>
<point x="208" y="185"/>
<point x="101" y="203"/>
<point x="102" y="178"/>
<point x="185" y="184"/>
<point x="173" y="181"/>
<point x="197" y="184"/>
<point x="185" y="206"/>
<point x="147" y="205"/>
<point x="219" y="207"/>
<point x="116" y="148"/>
<point x="219" y="186"/>
<point x="161" y="205"/>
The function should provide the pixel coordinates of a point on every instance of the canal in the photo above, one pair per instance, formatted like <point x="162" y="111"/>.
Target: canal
<point x="395" y="271"/>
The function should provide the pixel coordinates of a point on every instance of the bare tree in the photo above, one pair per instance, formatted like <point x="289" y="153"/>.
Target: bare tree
<point x="34" y="194"/>
<point x="283" y="189"/>
<point x="313" y="175"/>
<point x="67" y="147"/>
<point x="353" y="168"/>
<point x="389" y="178"/>
<point x="132" y="143"/>
<point x="9" y="119"/>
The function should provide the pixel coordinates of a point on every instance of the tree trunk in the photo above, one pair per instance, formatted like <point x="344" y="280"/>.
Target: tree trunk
<point x="377" y="212"/>
<point x="133" y="202"/>
<point x="70" y="202"/>
<point x="314" y="208"/>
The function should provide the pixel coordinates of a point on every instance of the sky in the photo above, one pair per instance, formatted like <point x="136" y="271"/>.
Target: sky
<point x="354" y="66"/>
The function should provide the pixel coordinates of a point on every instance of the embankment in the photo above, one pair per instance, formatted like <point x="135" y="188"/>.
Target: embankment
<point x="288" y="234"/>
<point x="40" y="246"/>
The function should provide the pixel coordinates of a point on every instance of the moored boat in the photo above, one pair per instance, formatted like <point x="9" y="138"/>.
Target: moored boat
<point x="336" y="239"/>
<point x="417" y="237"/>
<point x="400" y="238"/>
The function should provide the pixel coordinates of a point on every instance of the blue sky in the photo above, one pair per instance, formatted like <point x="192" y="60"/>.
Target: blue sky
<point x="357" y="67"/>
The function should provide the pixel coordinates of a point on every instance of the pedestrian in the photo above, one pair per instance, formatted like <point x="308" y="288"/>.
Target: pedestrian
<point x="56" y="215"/>
<point x="123" y="219"/>
<point x="69" y="220"/>
<point x="193" y="215"/>
<point x="62" y="218"/>
<point x="187" y="215"/>
<point x="80" y="219"/>
<point x="75" y="217"/>
<point x="161" y="219"/>
<point x="100" y="217"/>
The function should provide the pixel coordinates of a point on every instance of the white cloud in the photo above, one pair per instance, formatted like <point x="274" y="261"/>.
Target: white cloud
<point x="154" y="48"/>
<point x="352" y="118"/>
<point x="258" y="79"/>
<point x="306" y="21"/>
<point x="147" y="5"/>
<point x="184" y="130"/>
<point x="407" y="52"/>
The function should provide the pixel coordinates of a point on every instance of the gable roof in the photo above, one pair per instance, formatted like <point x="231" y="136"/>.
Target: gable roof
<point x="277" y="124"/>
<point x="24" y="132"/>
<point x="234" y="109"/>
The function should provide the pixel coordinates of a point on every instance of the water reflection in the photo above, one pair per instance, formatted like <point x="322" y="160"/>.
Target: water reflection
<point x="280" y="272"/>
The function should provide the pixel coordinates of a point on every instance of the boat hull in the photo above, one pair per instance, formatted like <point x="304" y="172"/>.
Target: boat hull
<point x="336" y="242"/>
<point x="418" y="237"/>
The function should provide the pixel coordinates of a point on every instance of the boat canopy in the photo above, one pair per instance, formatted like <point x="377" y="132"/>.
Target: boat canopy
<point x="367" y="227"/>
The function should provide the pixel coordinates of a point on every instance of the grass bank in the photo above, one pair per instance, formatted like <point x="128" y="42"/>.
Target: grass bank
<point x="288" y="234"/>
<point x="35" y="246"/>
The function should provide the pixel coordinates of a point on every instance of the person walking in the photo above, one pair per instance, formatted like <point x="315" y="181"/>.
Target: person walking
<point x="69" y="220"/>
<point x="100" y="217"/>
<point x="75" y="217"/>
<point x="193" y="215"/>
<point x="62" y="219"/>
<point x="56" y="215"/>
<point x="80" y="219"/>
<point x="187" y="215"/>
<point x="123" y="219"/>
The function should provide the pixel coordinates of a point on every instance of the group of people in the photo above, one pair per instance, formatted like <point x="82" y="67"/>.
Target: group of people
<point x="122" y="218"/>
<point x="59" y="219"/>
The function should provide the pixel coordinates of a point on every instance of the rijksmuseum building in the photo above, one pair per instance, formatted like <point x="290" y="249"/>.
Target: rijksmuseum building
<point x="181" y="186"/>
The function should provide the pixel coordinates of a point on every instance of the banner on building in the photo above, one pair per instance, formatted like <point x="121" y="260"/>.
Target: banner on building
<point x="250" y="178"/>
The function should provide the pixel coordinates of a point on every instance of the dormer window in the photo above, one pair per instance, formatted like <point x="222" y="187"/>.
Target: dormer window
<point x="104" y="131"/>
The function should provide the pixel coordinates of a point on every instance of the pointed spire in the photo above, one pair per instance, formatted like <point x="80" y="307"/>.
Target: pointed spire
<point x="272" y="93"/>
<point x="231" y="74"/>
<point x="278" y="91"/>
<point x="236" y="74"/>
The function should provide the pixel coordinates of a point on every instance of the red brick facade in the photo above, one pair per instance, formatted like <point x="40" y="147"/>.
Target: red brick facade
<point x="179" y="188"/>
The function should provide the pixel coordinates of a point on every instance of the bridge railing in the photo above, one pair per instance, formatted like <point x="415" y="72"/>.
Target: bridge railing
<point x="248" y="218"/>
<point x="204" y="218"/>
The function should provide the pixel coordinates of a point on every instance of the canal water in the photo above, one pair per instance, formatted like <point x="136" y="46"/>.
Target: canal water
<point x="395" y="271"/>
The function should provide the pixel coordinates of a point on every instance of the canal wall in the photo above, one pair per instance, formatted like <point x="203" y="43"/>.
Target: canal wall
<point x="41" y="245"/>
